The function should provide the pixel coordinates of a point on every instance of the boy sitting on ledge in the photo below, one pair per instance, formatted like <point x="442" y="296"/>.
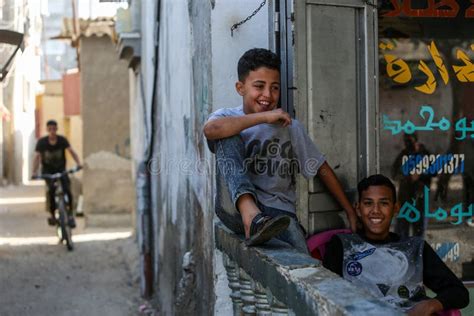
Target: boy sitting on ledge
<point x="259" y="149"/>
<point x="388" y="267"/>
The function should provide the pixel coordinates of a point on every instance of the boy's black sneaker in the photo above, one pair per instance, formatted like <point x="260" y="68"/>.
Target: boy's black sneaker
<point x="264" y="228"/>
<point x="52" y="221"/>
<point x="71" y="222"/>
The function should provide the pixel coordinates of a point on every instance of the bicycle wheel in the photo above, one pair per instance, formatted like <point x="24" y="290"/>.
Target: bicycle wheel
<point x="63" y="223"/>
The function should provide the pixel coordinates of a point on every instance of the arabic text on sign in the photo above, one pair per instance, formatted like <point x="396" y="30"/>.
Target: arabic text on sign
<point x="427" y="113"/>
<point x="432" y="9"/>
<point x="412" y="214"/>
<point x="399" y="71"/>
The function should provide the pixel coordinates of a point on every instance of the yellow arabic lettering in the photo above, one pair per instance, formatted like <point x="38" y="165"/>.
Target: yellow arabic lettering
<point x="464" y="73"/>
<point x="430" y="85"/>
<point x="388" y="45"/>
<point x="438" y="62"/>
<point x="397" y="69"/>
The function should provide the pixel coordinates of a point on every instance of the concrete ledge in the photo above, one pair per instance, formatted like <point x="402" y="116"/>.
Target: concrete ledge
<point x="129" y="48"/>
<point x="297" y="280"/>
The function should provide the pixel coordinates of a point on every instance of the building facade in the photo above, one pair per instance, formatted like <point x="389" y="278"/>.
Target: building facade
<point x="182" y="58"/>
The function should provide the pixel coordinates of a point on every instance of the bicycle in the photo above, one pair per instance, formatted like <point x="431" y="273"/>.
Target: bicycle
<point x="63" y="230"/>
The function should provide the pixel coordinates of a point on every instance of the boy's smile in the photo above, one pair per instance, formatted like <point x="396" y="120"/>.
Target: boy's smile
<point x="52" y="130"/>
<point x="376" y="209"/>
<point x="260" y="90"/>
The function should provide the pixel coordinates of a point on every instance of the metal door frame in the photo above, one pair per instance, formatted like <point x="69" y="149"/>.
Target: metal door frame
<point x="288" y="39"/>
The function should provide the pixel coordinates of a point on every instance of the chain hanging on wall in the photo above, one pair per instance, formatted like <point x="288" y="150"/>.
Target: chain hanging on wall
<point x="236" y="25"/>
<point x="369" y="3"/>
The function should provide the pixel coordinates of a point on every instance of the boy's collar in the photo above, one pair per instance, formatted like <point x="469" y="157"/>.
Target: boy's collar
<point x="392" y="237"/>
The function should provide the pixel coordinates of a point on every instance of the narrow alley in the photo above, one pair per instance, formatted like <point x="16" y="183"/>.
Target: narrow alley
<point x="40" y="277"/>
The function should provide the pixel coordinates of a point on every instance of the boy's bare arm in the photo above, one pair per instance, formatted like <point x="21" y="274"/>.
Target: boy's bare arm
<point x="230" y="126"/>
<point x="36" y="163"/>
<point x="328" y="177"/>
<point x="74" y="155"/>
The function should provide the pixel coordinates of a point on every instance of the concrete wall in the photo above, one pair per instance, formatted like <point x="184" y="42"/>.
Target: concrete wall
<point x="226" y="51"/>
<point x="196" y="75"/>
<point x="141" y="84"/>
<point x="182" y="194"/>
<point x="19" y="87"/>
<point x="52" y="106"/>
<point x="107" y="184"/>
<point x="74" y="135"/>
<point x="19" y="98"/>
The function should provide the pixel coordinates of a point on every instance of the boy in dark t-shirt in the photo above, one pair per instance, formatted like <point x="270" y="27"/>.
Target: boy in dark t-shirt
<point x="391" y="268"/>
<point x="51" y="152"/>
<point x="53" y="156"/>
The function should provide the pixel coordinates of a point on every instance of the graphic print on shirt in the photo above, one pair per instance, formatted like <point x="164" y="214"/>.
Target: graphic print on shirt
<point x="362" y="254"/>
<point x="354" y="268"/>
<point x="54" y="159"/>
<point x="392" y="272"/>
<point x="271" y="158"/>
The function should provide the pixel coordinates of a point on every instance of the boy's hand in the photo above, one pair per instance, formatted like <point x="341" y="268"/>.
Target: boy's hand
<point x="352" y="217"/>
<point x="426" y="308"/>
<point x="277" y="116"/>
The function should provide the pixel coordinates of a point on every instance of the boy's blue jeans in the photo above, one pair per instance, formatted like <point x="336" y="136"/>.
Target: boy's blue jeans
<point x="232" y="182"/>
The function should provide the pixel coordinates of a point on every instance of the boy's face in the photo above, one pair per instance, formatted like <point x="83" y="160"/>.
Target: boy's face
<point x="52" y="129"/>
<point x="376" y="209"/>
<point x="260" y="90"/>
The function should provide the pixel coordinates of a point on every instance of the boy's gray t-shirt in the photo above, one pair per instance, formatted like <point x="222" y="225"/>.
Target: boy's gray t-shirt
<point x="273" y="156"/>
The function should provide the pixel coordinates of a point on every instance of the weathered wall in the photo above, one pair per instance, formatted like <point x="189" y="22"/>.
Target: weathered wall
<point x="226" y="51"/>
<point x="51" y="107"/>
<point x="141" y="83"/>
<point x="18" y="95"/>
<point x="74" y="134"/>
<point x="181" y="190"/>
<point x="19" y="98"/>
<point x="107" y="184"/>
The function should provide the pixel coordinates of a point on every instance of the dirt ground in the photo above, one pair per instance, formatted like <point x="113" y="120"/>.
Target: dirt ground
<point x="38" y="276"/>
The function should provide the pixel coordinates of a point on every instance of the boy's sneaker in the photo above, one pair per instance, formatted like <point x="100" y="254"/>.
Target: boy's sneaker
<point x="71" y="222"/>
<point x="52" y="221"/>
<point x="264" y="228"/>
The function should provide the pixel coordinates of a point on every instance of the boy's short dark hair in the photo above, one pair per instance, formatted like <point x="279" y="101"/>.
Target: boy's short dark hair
<point x="255" y="58"/>
<point x="51" y="123"/>
<point x="376" y="180"/>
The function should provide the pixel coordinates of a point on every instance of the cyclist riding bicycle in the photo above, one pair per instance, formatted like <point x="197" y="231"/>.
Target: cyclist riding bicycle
<point x="50" y="150"/>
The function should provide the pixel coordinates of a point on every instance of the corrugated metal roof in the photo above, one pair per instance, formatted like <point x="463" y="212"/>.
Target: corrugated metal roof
<point x="74" y="29"/>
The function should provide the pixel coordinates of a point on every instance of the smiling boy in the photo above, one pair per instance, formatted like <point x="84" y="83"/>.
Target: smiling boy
<point x="259" y="150"/>
<point x="391" y="268"/>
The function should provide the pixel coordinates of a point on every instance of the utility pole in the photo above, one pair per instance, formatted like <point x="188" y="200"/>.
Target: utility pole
<point x="75" y="35"/>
